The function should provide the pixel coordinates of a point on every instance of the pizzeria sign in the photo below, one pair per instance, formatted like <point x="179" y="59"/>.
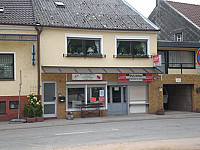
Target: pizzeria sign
<point x="135" y="77"/>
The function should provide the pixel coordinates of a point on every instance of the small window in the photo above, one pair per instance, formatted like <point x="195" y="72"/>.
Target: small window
<point x="59" y="4"/>
<point x="83" y="47"/>
<point x="135" y="48"/>
<point x="178" y="37"/>
<point x="6" y="66"/>
<point x="1" y="9"/>
<point x="2" y="108"/>
<point x="13" y="104"/>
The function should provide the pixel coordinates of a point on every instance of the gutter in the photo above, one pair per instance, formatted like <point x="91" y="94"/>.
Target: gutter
<point x="39" y="29"/>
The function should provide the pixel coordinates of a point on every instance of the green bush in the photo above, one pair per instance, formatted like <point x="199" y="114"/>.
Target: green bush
<point x="25" y="110"/>
<point x="38" y="110"/>
<point x="31" y="113"/>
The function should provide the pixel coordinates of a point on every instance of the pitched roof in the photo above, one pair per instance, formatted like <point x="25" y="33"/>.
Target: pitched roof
<point x="17" y="12"/>
<point x="191" y="11"/>
<point x="91" y="14"/>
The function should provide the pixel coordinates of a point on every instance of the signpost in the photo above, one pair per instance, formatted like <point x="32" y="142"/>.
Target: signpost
<point x="198" y="57"/>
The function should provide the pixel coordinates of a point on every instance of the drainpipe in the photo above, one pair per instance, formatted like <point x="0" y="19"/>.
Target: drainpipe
<point x="39" y="29"/>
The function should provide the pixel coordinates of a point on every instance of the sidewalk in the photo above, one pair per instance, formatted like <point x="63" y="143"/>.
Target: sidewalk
<point x="111" y="118"/>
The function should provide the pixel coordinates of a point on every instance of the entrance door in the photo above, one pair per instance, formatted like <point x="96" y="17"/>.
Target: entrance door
<point x="117" y="100"/>
<point x="49" y="99"/>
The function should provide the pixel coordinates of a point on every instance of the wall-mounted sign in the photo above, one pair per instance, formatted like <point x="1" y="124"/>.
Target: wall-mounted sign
<point x="135" y="77"/>
<point x="198" y="57"/>
<point x="178" y="79"/>
<point x="87" y="77"/>
<point x="157" y="60"/>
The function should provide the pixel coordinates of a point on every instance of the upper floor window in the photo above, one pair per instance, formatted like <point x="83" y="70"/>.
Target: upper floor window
<point x="132" y="46"/>
<point x="181" y="59"/>
<point x="6" y="66"/>
<point x="84" y="46"/>
<point x="178" y="37"/>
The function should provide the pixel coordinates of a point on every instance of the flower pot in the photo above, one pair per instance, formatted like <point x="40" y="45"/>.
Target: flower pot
<point x="31" y="120"/>
<point x="160" y="112"/>
<point x="70" y="117"/>
<point x="198" y="110"/>
<point x="39" y="119"/>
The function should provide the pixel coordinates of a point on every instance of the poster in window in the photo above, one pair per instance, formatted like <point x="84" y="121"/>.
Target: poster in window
<point x="101" y="93"/>
<point x="94" y="99"/>
<point x="101" y="99"/>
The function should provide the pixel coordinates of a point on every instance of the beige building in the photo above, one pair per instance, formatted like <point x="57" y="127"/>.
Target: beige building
<point x="73" y="57"/>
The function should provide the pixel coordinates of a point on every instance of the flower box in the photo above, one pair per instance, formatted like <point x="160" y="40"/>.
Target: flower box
<point x="31" y="120"/>
<point x="39" y="119"/>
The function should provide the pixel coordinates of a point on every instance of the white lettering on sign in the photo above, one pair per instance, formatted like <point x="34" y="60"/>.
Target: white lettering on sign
<point x="135" y="77"/>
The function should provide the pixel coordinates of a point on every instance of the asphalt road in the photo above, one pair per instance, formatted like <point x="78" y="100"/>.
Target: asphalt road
<point x="101" y="133"/>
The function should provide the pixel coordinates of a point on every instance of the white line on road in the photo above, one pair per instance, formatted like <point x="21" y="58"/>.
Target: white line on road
<point x="84" y="132"/>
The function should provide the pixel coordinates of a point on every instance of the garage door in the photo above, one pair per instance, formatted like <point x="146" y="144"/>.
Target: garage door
<point x="179" y="97"/>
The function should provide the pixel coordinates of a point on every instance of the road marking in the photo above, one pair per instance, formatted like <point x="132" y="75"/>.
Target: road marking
<point x="84" y="132"/>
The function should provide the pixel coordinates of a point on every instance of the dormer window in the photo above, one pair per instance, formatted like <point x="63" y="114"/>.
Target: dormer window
<point x="178" y="37"/>
<point x="59" y="4"/>
<point x="1" y="9"/>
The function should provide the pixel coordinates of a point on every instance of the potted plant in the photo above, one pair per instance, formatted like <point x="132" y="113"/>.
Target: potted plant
<point x="31" y="115"/>
<point x="25" y="111"/>
<point x="160" y="111"/>
<point x="198" y="110"/>
<point x="70" y="116"/>
<point x="39" y="112"/>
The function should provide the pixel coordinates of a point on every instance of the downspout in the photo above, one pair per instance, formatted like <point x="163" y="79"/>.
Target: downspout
<point x="39" y="29"/>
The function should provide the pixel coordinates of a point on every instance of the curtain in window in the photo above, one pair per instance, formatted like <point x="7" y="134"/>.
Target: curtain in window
<point x="6" y="66"/>
<point x="178" y="57"/>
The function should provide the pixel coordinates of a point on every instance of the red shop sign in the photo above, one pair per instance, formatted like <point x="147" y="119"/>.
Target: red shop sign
<point x="156" y="59"/>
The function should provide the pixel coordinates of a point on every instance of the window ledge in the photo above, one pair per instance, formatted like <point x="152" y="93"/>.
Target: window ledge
<point x="130" y="56"/>
<point x="89" y="56"/>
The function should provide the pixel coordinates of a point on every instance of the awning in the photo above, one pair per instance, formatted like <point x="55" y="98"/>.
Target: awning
<point x="100" y="70"/>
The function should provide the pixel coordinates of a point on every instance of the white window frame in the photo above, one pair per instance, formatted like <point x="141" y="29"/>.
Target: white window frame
<point x="117" y="37"/>
<point x="14" y="53"/>
<point x="179" y="37"/>
<point x="85" y="85"/>
<point x="91" y="36"/>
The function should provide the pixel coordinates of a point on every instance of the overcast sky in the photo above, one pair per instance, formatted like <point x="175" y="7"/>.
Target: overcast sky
<point x="145" y="7"/>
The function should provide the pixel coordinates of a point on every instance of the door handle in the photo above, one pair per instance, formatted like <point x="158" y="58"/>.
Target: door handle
<point x="54" y="98"/>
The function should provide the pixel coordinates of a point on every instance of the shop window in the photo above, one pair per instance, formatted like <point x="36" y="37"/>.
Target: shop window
<point x="13" y="104"/>
<point x="75" y="96"/>
<point x="6" y="66"/>
<point x="2" y="108"/>
<point x="84" y="46"/>
<point x="136" y="48"/>
<point x="182" y="59"/>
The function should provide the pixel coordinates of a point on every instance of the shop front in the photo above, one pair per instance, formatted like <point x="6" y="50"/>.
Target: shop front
<point x="120" y="90"/>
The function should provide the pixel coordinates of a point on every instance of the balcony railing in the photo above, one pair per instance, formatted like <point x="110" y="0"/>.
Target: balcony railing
<point x="181" y="66"/>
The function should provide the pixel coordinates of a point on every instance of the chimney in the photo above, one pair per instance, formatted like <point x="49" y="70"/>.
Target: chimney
<point x="158" y="2"/>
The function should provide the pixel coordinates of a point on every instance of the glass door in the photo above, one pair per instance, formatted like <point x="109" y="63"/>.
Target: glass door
<point x="117" y="100"/>
<point x="49" y="99"/>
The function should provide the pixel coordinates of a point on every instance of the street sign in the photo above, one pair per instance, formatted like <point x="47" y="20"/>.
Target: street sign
<point x="198" y="57"/>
